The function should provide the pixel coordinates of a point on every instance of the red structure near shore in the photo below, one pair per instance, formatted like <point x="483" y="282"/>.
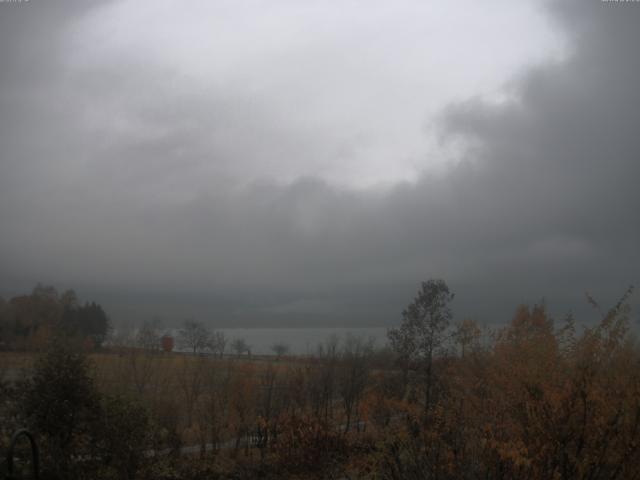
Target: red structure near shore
<point x="167" y="343"/>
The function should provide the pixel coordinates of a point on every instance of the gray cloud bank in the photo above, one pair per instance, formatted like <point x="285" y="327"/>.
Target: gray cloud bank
<point x="542" y="203"/>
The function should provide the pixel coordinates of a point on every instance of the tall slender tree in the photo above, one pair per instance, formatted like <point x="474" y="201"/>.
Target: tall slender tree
<point x="421" y="332"/>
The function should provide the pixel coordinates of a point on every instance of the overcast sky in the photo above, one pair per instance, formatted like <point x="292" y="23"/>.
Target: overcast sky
<point x="302" y="162"/>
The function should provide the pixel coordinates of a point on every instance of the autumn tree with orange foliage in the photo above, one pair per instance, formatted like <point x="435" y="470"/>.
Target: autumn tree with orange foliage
<point x="542" y="402"/>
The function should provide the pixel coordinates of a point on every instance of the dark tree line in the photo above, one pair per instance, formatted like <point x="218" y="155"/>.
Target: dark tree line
<point x="31" y="321"/>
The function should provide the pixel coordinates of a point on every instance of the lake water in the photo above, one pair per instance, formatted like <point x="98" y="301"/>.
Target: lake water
<point x="301" y="341"/>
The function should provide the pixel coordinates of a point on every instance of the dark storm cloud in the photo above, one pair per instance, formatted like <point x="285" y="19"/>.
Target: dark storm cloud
<point x="107" y="189"/>
<point x="557" y="166"/>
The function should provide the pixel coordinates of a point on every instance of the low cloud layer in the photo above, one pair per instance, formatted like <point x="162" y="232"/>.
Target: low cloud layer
<point x="160" y="196"/>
